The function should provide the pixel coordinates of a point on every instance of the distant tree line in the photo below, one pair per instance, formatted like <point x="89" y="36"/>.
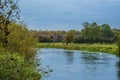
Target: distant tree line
<point x="91" y="33"/>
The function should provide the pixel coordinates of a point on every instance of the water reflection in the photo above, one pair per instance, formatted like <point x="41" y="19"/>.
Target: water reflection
<point x="94" y="57"/>
<point x="80" y="65"/>
<point x="90" y="58"/>
<point x="93" y="62"/>
<point x="69" y="56"/>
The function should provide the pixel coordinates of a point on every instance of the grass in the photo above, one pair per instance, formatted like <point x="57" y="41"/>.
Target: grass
<point x="107" y="48"/>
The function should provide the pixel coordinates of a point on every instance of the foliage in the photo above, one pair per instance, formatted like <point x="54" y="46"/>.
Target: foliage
<point x="69" y="37"/>
<point x="9" y="13"/>
<point x="107" y="48"/>
<point x="94" y="33"/>
<point x="118" y="42"/>
<point x="21" y="40"/>
<point x="17" y="50"/>
<point x="17" y="60"/>
<point x="106" y="31"/>
<point x="91" y="33"/>
<point x="49" y="36"/>
<point x="14" y="67"/>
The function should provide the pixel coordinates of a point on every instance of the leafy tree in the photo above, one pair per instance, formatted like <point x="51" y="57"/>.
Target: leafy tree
<point x="91" y="32"/>
<point x="118" y="42"/>
<point x="18" y="43"/>
<point x="86" y="24"/>
<point x="106" y="30"/>
<point x="94" y="24"/>
<point x="18" y="57"/>
<point x="107" y="34"/>
<point x="69" y="37"/>
<point x="9" y="13"/>
<point x="96" y="32"/>
<point x="85" y="31"/>
<point x="21" y="40"/>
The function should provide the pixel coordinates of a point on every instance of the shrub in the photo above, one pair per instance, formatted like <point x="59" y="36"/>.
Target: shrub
<point x="17" y="59"/>
<point x="14" y="67"/>
<point x="21" y="40"/>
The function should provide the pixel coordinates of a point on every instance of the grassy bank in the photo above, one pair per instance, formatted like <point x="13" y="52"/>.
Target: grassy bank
<point x="107" y="48"/>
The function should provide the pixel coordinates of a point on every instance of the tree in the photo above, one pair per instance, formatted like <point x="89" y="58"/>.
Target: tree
<point x="107" y="34"/>
<point x="118" y="43"/>
<point x="106" y="30"/>
<point x="21" y="40"/>
<point x="86" y="24"/>
<point x="96" y="32"/>
<point x="91" y="32"/>
<point x="16" y="39"/>
<point x="94" y="24"/>
<point x="9" y="13"/>
<point x="85" y="30"/>
<point x="69" y="37"/>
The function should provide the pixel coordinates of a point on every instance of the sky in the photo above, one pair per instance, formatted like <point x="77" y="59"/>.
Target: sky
<point x="69" y="14"/>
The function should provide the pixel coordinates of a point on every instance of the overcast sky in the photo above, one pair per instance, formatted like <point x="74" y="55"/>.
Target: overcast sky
<point x="69" y="14"/>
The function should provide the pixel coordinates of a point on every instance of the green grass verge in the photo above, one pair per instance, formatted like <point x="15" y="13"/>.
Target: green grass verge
<point x="107" y="48"/>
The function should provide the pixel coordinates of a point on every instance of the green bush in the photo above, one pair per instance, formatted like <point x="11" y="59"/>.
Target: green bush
<point x="21" y="40"/>
<point x="14" y="67"/>
<point x="17" y="59"/>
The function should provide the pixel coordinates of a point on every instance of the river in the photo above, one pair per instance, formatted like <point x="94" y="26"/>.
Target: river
<point x="79" y="65"/>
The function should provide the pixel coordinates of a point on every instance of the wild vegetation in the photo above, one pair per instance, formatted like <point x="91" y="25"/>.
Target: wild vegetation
<point x="84" y="39"/>
<point x="97" y="47"/>
<point x="91" y="33"/>
<point x="69" y="37"/>
<point x="16" y="45"/>
<point x="118" y="43"/>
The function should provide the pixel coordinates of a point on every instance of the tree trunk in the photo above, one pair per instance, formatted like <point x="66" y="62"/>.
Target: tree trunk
<point x="6" y="36"/>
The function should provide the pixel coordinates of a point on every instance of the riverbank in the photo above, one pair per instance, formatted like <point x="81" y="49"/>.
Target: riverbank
<point x="14" y="63"/>
<point x="107" y="48"/>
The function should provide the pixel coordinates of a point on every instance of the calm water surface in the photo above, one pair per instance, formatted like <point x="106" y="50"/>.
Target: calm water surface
<point x="79" y="65"/>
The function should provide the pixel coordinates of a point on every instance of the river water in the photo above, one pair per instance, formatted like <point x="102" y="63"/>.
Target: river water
<point x="78" y="65"/>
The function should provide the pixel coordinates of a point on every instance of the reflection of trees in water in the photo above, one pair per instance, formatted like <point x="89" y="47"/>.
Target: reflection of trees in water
<point x="93" y="61"/>
<point x="118" y="69"/>
<point x="69" y="56"/>
<point x="94" y="58"/>
<point x="90" y="58"/>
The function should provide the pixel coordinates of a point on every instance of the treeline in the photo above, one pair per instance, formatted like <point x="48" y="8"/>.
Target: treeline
<point x="91" y="33"/>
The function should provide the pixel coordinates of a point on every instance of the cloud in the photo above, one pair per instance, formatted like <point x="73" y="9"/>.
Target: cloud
<point x="69" y="12"/>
